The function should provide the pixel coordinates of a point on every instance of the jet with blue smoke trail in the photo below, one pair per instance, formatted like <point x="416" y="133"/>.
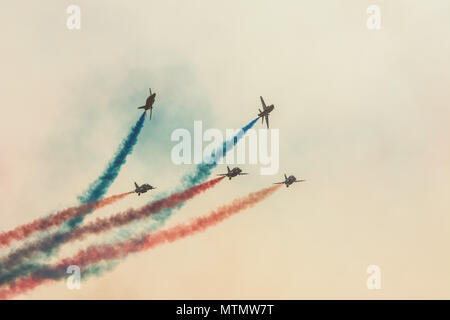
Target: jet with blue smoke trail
<point x="264" y="113"/>
<point x="149" y="104"/>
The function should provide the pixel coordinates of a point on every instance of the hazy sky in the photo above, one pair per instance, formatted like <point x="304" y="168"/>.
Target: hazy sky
<point x="363" y="116"/>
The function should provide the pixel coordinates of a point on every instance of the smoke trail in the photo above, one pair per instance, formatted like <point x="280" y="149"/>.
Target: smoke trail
<point x="95" y="191"/>
<point x="98" y="188"/>
<point x="102" y="225"/>
<point x="97" y="226"/>
<point x="203" y="170"/>
<point x="56" y="219"/>
<point x="200" y="174"/>
<point x="95" y="254"/>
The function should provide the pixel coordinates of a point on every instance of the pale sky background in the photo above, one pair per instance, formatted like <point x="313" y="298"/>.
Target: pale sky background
<point x="363" y="116"/>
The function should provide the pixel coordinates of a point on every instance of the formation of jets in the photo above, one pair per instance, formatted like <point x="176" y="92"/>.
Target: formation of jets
<point x="143" y="188"/>
<point x="263" y="114"/>
<point x="238" y="171"/>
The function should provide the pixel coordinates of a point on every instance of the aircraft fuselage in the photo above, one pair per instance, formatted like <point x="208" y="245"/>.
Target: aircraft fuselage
<point x="266" y="111"/>
<point x="149" y="102"/>
<point x="290" y="180"/>
<point x="143" y="189"/>
<point x="234" y="172"/>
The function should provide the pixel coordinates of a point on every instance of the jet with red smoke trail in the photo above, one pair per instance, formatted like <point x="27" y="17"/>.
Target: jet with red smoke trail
<point x="264" y="114"/>
<point x="149" y="104"/>
<point x="232" y="173"/>
<point x="143" y="188"/>
<point x="289" y="180"/>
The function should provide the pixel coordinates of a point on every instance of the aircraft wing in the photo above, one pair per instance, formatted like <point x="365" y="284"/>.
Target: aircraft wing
<point x="299" y="180"/>
<point x="267" y="120"/>
<point x="150" y="114"/>
<point x="263" y="103"/>
<point x="243" y="173"/>
<point x="222" y="175"/>
<point x="279" y="182"/>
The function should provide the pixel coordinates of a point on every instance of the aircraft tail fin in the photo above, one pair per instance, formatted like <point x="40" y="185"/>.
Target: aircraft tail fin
<point x="136" y="185"/>
<point x="228" y="169"/>
<point x="285" y="176"/>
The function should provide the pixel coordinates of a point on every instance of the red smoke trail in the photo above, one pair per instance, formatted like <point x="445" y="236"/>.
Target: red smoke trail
<point x="95" y="254"/>
<point x="101" y="225"/>
<point x="56" y="219"/>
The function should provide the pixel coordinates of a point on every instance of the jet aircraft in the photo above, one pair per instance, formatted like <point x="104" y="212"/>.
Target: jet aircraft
<point x="149" y="104"/>
<point x="265" y="112"/>
<point x="143" y="188"/>
<point x="232" y="173"/>
<point x="289" y="180"/>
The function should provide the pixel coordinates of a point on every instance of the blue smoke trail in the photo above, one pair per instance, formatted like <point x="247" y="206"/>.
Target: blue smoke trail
<point x="200" y="174"/>
<point x="95" y="191"/>
<point x="99" y="187"/>
<point x="203" y="170"/>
